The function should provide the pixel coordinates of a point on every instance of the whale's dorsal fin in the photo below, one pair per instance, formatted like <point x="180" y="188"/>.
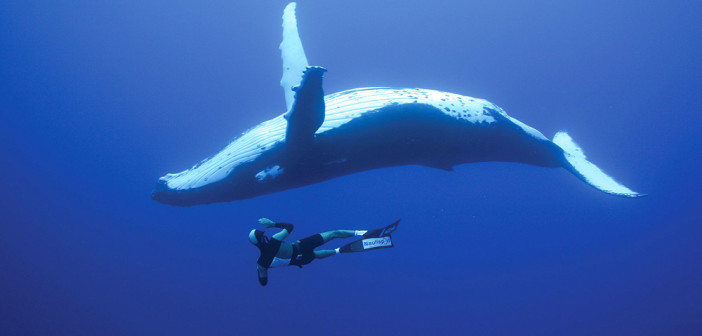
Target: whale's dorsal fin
<point x="293" y="55"/>
<point x="307" y="112"/>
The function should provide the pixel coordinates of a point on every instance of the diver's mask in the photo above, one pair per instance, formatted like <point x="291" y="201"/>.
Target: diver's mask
<point x="257" y="237"/>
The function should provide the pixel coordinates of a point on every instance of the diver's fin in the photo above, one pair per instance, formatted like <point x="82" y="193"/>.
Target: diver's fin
<point x="293" y="55"/>
<point x="307" y="112"/>
<point x="382" y="232"/>
<point x="373" y="239"/>
<point x="367" y="244"/>
<point x="576" y="163"/>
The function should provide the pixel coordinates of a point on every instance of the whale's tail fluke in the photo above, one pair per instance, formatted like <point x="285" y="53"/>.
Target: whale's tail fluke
<point x="576" y="162"/>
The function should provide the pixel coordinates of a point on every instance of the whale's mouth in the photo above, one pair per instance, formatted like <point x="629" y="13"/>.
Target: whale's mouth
<point x="159" y="192"/>
<point x="165" y="195"/>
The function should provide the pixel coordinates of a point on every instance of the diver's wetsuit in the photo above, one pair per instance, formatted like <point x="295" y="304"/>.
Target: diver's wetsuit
<point x="302" y="250"/>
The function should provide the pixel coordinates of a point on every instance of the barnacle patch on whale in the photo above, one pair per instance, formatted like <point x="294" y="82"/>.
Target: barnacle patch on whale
<point x="269" y="173"/>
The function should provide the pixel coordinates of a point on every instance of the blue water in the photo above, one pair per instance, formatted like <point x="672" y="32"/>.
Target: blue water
<point x="99" y="99"/>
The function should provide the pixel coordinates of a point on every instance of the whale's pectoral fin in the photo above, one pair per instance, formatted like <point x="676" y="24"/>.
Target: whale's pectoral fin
<point x="302" y="84"/>
<point x="293" y="55"/>
<point x="307" y="112"/>
<point x="576" y="163"/>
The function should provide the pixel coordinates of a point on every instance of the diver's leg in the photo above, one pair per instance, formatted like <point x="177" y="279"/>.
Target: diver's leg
<point x="321" y="254"/>
<point x="329" y="235"/>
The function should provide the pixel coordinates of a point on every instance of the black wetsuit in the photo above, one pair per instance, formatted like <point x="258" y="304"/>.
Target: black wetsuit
<point x="269" y="248"/>
<point x="302" y="250"/>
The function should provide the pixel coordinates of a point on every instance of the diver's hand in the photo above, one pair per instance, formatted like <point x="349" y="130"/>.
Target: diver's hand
<point x="266" y="222"/>
<point x="262" y="275"/>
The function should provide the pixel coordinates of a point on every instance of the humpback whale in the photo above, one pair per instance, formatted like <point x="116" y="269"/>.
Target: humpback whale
<point x="323" y="137"/>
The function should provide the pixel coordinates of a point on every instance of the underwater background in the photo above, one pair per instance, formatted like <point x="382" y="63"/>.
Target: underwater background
<point x="101" y="98"/>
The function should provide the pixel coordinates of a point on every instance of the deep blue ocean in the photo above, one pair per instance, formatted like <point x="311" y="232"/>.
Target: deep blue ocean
<point x="101" y="98"/>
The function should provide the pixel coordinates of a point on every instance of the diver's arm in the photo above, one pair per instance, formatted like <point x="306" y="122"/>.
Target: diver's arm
<point x="287" y="228"/>
<point x="262" y="274"/>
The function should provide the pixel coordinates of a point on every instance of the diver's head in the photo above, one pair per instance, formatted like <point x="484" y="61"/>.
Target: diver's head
<point x="256" y="237"/>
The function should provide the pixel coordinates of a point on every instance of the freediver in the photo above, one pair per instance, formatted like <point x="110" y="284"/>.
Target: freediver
<point x="275" y="252"/>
